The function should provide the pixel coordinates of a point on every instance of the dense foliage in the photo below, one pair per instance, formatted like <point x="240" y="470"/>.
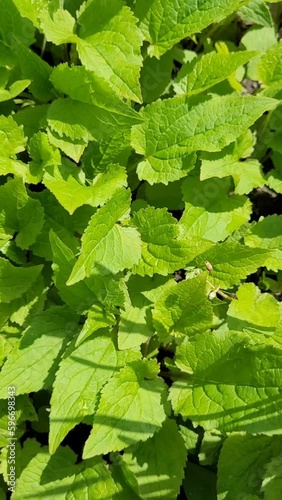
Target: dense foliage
<point x="141" y="249"/>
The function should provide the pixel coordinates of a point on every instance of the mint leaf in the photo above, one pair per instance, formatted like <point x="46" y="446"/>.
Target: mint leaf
<point x="79" y="296"/>
<point x="12" y="137"/>
<point x="163" y="251"/>
<point x="267" y="234"/>
<point x="231" y="262"/>
<point x="163" y="458"/>
<point x="63" y="478"/>
<point x="116" y="426"/>
<point x="190" y="310"/>
<point x="15" y="89"/>
<point x="43" y="155"/>
<point x="29" y="364"/>
<point x="56" y="218"/>
<point x="72" y="124"/>
<point x="233" y="388"/>
<point x="261" y="39"/>
<point x="20" y="216"/>
<point x="135" y="326"/>
<point x="253" y="311"/>
<point x="101" y="240"/>
<point x="202" y="73"/>
<point x="119" y="61"/>
<point x="35" y="69"/>
<point x="15" y="281"/>
<point x="245" y="457"/>
<point x="59" y="28"/>
<point x="109" y="44"/>
<point x="98" y="317"/>
<point x="256" y="12"/>
<point x="166" y="23"/>
<point x="67" y="183"/>
<point x="272" y="483"/>
<point x="30" y="303"/>
<point x="88" y="367"/>
<point x="32" y="10"/>
<point x="174" y="128"/>
<point x="13" y="24"/>
<point x="246" y="174"/>
<point x="269" y="68"/>
<point x="85" y="86"/>
<point x="210" y="211"/>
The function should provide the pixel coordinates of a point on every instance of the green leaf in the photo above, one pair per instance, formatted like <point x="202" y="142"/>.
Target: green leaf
<point x="117" y="426"/>
<point x="161" y="459"/>
<point x="14" y="90"/>
<point x="206" y="71"/>
<point x="256" y="12"/>
<point x="12" y="137"/>
<point x="119" y="60"/>
<point x="85" y="86"/>
<point x="189" y="437"/>
<point x="109" y="44"/>
<point x="269" y="68"/>
<point x="80" y="377"/>
<point x="59" y="220"/>
<point x="77" y="123"/>
<point x="67" y="183"/>
<point x="31" y="117"/>
<point x="135" y="326"/>
<point x="163" y="251"/>
<point x="73" y="148"/>
<point x="166" y="22"/>
<point x="259" y="39"/>
<point x="183" y="308"/>
<point x="272" y="482"/>
<point x="79" y="296"/>
<point x="12" y="142"/>
<point x="29" y="364"/>
<point x="31" y="302"/>
<point x="104" y="237"/>
<point x="13" y="24"/>
<point x="231" y="262"/>
<point x="174" y="128"/>
<point x="15" y="281"/>
<point x="232" y="384"/>
<point x="123" y="478"/>
<point x="254" y="311"/>
<point x="246" y="174"/>
<point x="111" y="292"/>
<point x="59" y="28"/>
<point x="155" y="76"/>
<point x="32" y="8"/>
<point x="113" y="150"/>
<point x="63" y="479"/>
<point x="242" y="463"/>
<point x="20" y="216"/>
<point x="266" y="233"/>
<point x="24" y="411"/>
<point x="43" y="155"/>
<point x="97" y="318"/>
<point x="35" y="69"/>
<point x="210" y="211"/>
